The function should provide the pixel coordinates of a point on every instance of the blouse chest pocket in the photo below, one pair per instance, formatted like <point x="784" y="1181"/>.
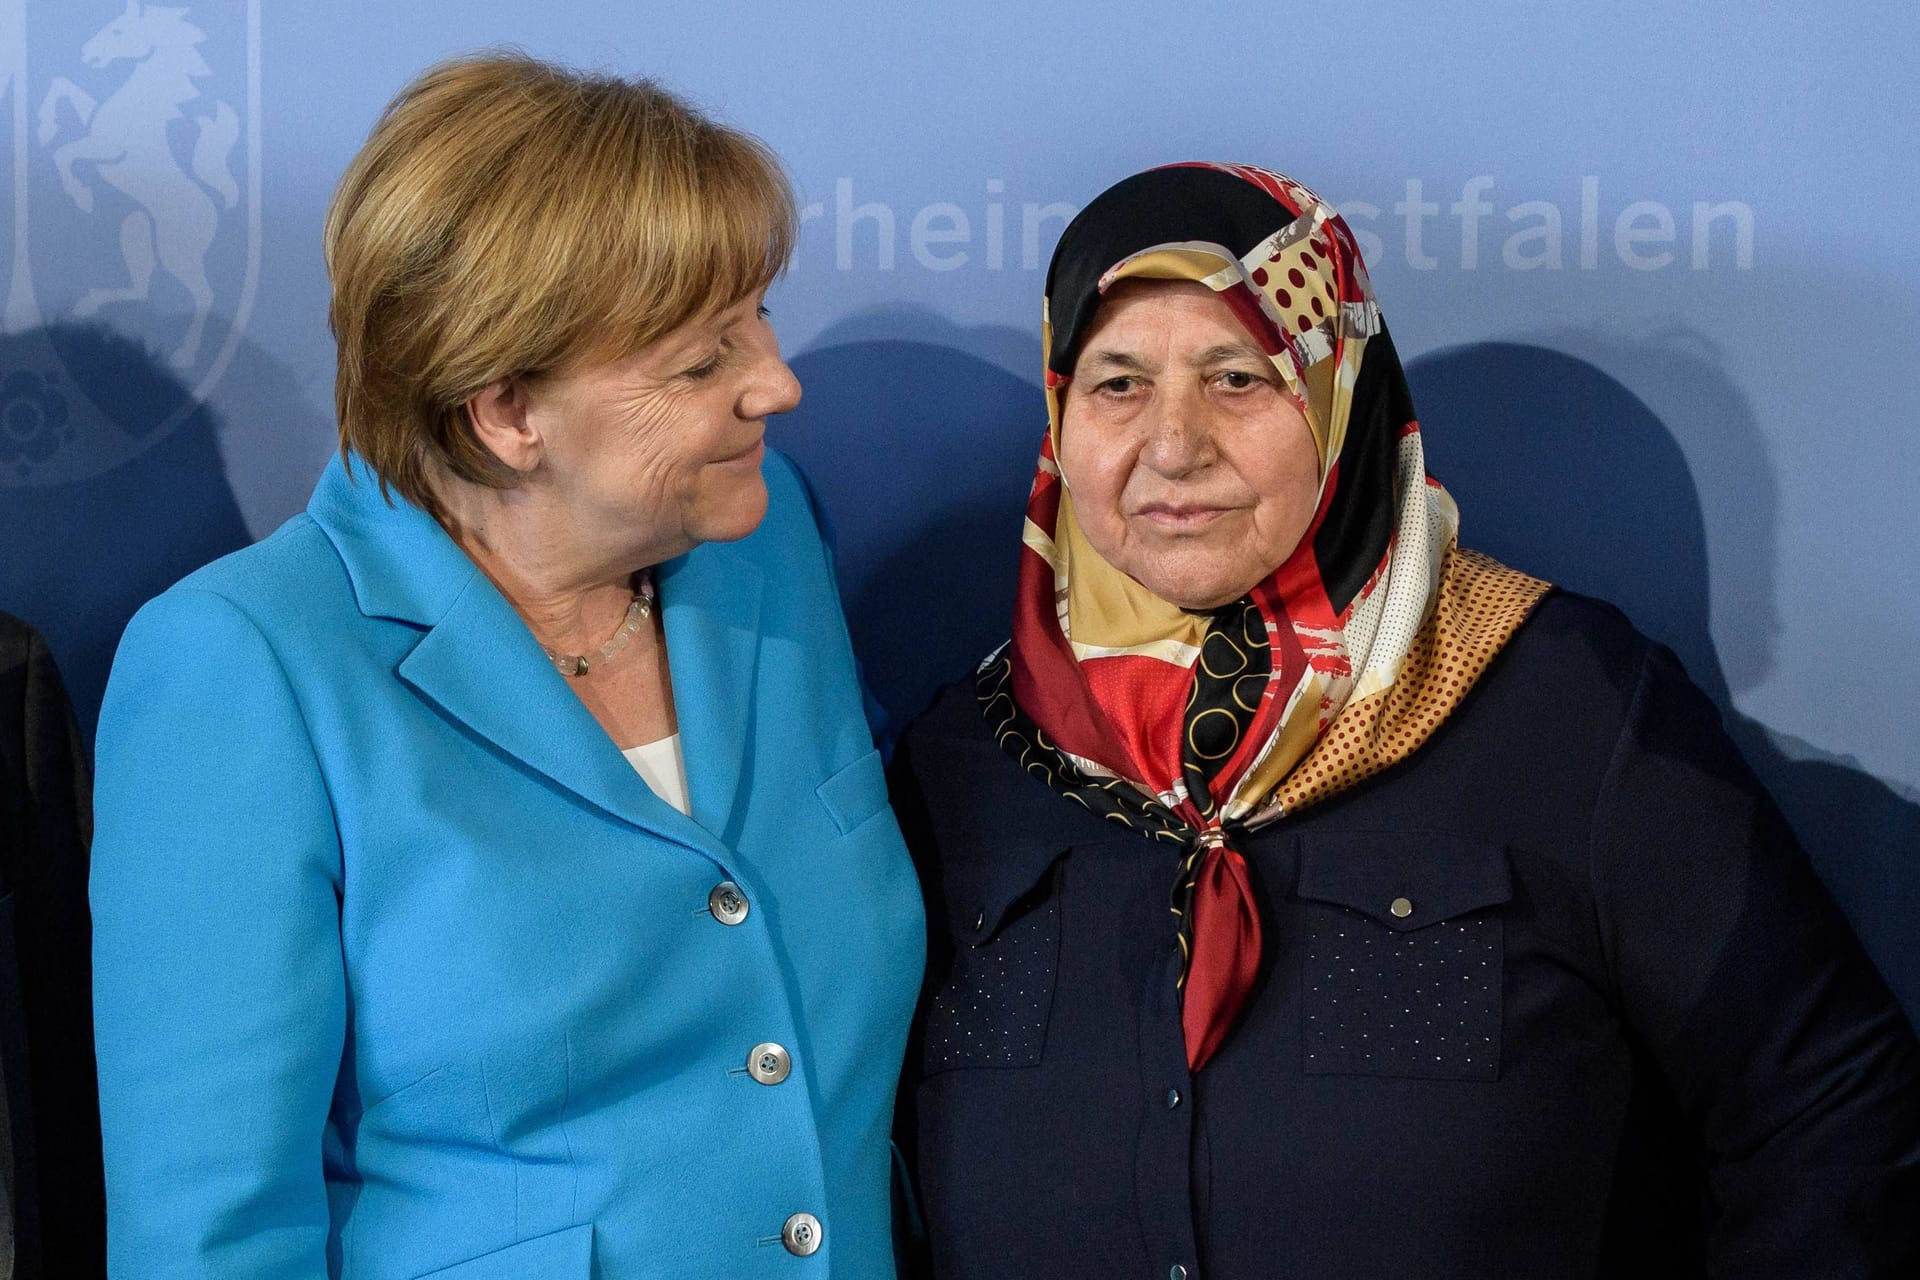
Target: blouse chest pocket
<point x="1403" y="949"/>
<point x="990" y="1002"/>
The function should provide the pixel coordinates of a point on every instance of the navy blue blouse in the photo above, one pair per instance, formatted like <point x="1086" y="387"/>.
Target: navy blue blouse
<point x="1558" y="996"/>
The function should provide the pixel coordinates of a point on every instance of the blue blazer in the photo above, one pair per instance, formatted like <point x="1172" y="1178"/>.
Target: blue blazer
<point x="401" y="970"/>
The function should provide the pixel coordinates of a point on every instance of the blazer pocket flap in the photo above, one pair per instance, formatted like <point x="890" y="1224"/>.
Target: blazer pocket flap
<point x="855" y="793"/>
<point x="1404" y="881"/>
<point x="562" y="1255"/>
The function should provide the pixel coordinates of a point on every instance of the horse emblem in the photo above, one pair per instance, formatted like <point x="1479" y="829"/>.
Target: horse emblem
<point x="125" y="139"/>
<point x="139" y="167"/>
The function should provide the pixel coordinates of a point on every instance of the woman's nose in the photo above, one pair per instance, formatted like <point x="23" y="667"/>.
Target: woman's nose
<point x="774" y="389"/>
<point x="1180" y="436"/>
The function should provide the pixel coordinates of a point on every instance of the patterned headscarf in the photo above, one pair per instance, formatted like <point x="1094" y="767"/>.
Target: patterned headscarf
<point x="1194" y="727"/>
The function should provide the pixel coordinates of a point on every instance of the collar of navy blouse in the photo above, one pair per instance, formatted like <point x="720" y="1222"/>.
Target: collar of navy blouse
<point x="480" y="665"/>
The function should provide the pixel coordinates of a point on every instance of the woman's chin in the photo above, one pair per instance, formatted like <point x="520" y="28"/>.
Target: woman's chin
<point x="1194" y="594"/>
<point x="1195" y="578"/>
<point x="737" y="513"/>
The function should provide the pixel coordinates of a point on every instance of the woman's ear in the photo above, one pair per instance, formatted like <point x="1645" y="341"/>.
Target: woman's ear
<point x="501" y="421"/>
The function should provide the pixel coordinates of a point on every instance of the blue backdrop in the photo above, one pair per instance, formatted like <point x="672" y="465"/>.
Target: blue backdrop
<point x="1652" y="268"/>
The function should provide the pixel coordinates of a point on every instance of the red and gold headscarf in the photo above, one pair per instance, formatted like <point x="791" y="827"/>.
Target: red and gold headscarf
<point x="1196" y="727"/>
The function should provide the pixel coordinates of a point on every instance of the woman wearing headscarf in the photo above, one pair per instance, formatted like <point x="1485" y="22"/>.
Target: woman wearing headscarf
<point x="1312" y="897"/>
<point x="494" y="875"/>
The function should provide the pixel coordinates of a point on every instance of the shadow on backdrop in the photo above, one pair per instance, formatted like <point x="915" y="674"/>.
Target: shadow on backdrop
<point x="83" y="555"/>
<point x="921" y="453"/>
<point x="1560" y="470"/>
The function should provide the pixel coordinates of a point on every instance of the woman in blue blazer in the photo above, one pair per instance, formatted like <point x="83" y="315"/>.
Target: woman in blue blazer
<point x="441" y="927"/>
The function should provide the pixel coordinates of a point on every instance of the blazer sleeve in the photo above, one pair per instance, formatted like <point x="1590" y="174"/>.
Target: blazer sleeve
<point x="1746" y="986"/>
<point x="219" y="994"/>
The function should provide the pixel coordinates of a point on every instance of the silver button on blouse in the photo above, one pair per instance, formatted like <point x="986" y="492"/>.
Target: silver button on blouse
<point x="728" y="904"/>
<point x="801" y="1235"/>
<point x="769" y="1063"/>
<point x="1400" y="908"/>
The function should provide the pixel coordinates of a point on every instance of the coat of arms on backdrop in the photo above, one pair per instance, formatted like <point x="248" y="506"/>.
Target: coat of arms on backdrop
<point x="135" y="208"/>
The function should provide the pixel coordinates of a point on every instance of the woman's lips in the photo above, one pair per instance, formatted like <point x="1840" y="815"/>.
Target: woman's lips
<point x="752" y="455"/>
<point x="1181" y="519"/>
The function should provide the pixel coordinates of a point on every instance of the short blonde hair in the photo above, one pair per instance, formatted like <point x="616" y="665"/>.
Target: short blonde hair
<point x="511" y="217"/>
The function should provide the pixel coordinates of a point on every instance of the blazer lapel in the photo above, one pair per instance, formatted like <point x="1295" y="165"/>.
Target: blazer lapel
<point x="710" y="601"/>
<point x="477" y="662"/>
<point x="481" y="666"/>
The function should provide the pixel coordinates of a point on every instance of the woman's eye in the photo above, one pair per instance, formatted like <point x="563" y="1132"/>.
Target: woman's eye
<point x="1237" y="380"/>
<point x="762" y="311"/>
<point x="1117" y="386"/>
<point x="706" y="368"/>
